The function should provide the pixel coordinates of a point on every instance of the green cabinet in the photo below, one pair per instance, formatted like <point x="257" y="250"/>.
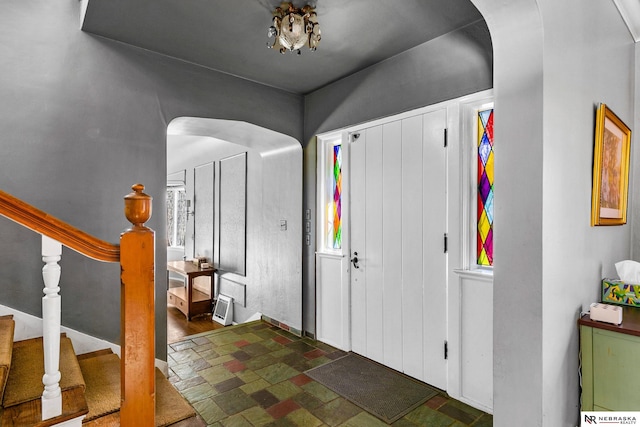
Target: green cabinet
<point x="610" y="366"/>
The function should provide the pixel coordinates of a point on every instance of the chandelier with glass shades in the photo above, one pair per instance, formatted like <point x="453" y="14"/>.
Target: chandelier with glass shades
<point x="294" y="28"/>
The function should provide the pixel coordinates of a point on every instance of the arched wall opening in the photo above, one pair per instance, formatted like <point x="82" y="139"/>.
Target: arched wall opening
<point x="546" y="88"/>
<point x="517" y="36"/>
<point x="271" y="283"/>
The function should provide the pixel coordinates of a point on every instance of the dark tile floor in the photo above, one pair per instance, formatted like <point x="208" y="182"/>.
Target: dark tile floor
<point x="252" y="375"/>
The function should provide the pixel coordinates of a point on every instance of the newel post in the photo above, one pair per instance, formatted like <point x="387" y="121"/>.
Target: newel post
<point x="137" y="300"/>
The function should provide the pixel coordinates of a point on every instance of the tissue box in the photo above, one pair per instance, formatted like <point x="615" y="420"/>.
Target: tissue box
<point x="618" y="292"/>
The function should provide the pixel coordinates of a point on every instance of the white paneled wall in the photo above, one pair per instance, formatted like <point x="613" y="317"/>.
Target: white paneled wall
<point x="333" y="301"/>
<point x="471" y="338"/>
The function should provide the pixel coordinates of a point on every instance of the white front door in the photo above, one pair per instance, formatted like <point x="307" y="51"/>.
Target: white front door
<point x="397" y="231"/>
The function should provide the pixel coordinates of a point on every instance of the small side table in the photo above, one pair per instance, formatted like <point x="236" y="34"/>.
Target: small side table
<point x="192" y="302"/>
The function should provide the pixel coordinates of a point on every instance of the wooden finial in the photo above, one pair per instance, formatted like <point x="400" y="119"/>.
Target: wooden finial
<point x="137" y="206"/>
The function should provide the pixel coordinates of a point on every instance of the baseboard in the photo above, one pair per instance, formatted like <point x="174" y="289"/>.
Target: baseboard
<point x="29" y="326"/>
<point x="256" y="316"/>
<point x="282" y="325"/>
<point x="473" y="403"/>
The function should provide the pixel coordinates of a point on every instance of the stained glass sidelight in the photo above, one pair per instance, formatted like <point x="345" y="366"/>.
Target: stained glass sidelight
<point x="334" y="207"/>
<point x="485" y="188"/>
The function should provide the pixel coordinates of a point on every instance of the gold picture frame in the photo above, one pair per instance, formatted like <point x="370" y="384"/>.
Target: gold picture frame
<point x="610" y="169"/>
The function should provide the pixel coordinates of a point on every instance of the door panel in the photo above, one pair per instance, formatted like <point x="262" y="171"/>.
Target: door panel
<point x="358" y="241"/>
<point x="397" y="223"/>
<point x="392" y="244"/>
<point x="373" y="243"/>
<point x="412" y="259"/>
<point x="434" y="225"/>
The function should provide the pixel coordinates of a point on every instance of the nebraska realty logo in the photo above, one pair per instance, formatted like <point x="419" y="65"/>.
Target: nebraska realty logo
<point x="609" y="418"/>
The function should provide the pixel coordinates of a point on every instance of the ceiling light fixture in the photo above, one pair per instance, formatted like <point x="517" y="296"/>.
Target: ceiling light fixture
<point x="293" y="28"/>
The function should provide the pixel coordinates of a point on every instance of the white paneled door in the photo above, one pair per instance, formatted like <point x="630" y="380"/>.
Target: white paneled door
<point x="397" y="227"/>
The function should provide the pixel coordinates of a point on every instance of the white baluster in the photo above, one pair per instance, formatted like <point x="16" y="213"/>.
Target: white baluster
<point x="52" y="396"/>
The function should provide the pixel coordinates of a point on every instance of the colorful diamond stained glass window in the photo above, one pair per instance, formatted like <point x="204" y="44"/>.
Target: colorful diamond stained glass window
<point x="485" y="188"/>
<point x="334" y="206"/>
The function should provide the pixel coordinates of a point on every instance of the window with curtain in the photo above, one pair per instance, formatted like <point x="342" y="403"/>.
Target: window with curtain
<point x="176" y="216"/>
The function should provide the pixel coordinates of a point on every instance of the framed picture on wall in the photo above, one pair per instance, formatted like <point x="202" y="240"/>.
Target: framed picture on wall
<point x="610" y="169"/>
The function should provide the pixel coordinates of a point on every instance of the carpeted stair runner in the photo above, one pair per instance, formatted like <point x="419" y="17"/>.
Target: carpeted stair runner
<point x="90" y="385"/>
<point x="21" y="405"/>
<point x="27" y="368"/>
<point x="102" y="376"/>
<point x="7" y="327"/>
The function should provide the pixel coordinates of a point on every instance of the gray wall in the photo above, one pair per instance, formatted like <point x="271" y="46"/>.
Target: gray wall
<point x="453" y="65"/>
<point x="595" y="52"/>
<point x="635" y="174"/>
<point x="83" y="119"/>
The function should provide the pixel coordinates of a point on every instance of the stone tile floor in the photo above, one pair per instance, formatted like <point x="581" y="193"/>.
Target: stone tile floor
<point x="252" y="375"/>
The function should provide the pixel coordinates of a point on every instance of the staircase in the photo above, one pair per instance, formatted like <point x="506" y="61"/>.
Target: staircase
<point x="98" y="389"/>
<point x="90" y="385"/>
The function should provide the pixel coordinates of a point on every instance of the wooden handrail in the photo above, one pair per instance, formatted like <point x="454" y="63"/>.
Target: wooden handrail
<point x="136" y="254"/>
<point x="50" y="226"/>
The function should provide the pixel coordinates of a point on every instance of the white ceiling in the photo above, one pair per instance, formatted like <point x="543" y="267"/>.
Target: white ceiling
<point x="231" y="35"/>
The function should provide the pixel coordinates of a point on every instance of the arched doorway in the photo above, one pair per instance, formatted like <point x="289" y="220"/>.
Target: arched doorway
<point x="254" y="238"/>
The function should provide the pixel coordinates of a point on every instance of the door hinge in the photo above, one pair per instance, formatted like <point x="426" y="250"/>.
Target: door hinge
<point x="354" y="137"/>
<point x="446" y="138"/>
<point x="446" y="350"/>
<point x="446" y="243"/>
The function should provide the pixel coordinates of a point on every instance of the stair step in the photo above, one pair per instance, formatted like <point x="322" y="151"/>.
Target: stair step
<point x="7" y="328"/>
<point x="27" y="368"/>
<point x="21" y="401"/>
<point x="102" y="377"/>
<point x="90" y="386"/>
<point x="96" y="353"/>
<point x="29" y="413"/>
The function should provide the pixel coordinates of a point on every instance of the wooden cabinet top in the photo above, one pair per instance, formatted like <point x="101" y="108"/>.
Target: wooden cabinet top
<point x="630" y="322"/>
<point x="189" y="268"/>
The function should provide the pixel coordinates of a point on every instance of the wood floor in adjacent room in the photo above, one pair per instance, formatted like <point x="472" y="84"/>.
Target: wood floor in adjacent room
<point x="178" y="327"/>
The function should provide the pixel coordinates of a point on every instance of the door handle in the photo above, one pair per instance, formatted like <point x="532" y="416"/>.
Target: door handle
<point x="354" y="260"/>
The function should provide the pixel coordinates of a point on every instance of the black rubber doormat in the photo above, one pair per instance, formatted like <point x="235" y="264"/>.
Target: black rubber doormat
<point x="381" y="391"/>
